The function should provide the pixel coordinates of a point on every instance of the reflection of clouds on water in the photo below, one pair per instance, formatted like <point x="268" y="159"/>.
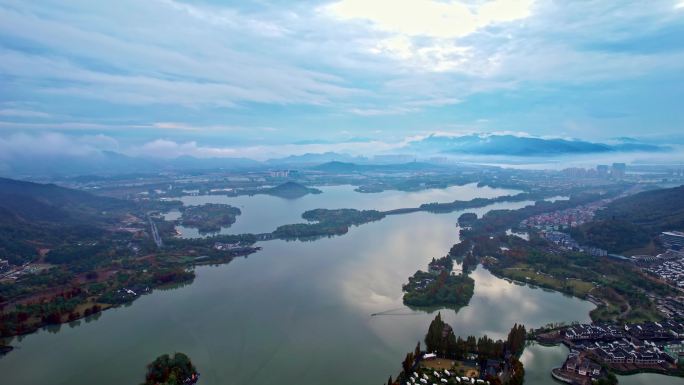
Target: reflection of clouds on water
<point x="263" y="213"/>
<point x="391" y="255"/>
<point x="289" y="309"/>
<point x="397" y="246"/>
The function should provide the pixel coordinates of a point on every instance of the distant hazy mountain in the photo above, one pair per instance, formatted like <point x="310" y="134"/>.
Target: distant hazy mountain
<point x="345" y="167"/>
<point x="192" y="163"/>
<point x="518" y="146"/>
<point x="312" y="159"/>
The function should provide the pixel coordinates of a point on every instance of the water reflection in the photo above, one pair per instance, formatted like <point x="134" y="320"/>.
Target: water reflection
<point x="295" y="312"/>
<point x="539" y="360"/>
<point x="263" y="213"/>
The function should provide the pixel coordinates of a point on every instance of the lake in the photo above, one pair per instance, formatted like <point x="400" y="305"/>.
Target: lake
<point x="293" y="313"/>
<point x="263" y="213"/>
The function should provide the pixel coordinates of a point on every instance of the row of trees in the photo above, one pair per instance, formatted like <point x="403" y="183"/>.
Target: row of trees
<point x="441" y="339"/>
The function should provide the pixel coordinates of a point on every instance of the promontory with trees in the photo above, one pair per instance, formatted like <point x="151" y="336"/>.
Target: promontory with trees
<point x="449" y="359"/>
<point x="74" y="254"/>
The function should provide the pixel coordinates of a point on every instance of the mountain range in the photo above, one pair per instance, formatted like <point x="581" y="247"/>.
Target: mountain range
<point x="520" y="146"/>
<point x="110" y="163"/>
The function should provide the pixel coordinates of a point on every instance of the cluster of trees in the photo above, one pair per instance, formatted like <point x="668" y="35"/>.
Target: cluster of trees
<point x="327" y="222"/>
<point x="167" y="370"/>
<point x="620" y="283"/>
<point x="614" y="235"/>
<point x="466" y="219"/>
<point x="654" y="210"/>
<point x="209" y="217"/>
<point x="290" y="190"/>
<point x="29" y="317"/>
<point x="441" y="339"/>
<point x="443" y="290"/>
<point x="410" y="360"/>
<point x="476" y="202"/>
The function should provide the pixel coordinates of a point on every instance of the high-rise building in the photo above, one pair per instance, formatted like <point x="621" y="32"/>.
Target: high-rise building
<point x="618" y="170"/>
<point x="602" y="170"/>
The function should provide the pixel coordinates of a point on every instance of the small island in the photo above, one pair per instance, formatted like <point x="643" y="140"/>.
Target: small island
<point x="210" y="217"/>
<point x="167" y="370"/>
<point x="439" y="286"/>
<point x="326" y="223"/>
<point x="290" y="190"/>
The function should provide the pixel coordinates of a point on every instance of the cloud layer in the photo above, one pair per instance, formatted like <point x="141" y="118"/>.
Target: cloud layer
<point x="207" y="75"/>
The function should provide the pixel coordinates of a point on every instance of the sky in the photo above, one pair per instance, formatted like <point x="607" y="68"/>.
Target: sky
<point x="239" y="78"/>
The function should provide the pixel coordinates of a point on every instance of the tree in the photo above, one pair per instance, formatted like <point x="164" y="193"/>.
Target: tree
<point x="407" y="364"/>
<point x="166" y="370"/>
<point x="516" y="339"/>
<point x="518" y="373"/>
<point x="433" y="338"/>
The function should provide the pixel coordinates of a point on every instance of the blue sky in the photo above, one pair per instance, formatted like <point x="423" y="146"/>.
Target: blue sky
<point x="223" y="78"/>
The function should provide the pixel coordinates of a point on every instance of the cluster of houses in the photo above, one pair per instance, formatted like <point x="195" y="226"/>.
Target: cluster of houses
<point x="668" y="266"/>
<point x="653" y="345"/>
<point x="579" y="364"/>
<point x="435" y="377"/>
<point x="4" y="265"/>
<point x="563" y="219"/>
<point x="565" y="241"/>
<point x="226" y="246"/>
<point x="672" y="307"/>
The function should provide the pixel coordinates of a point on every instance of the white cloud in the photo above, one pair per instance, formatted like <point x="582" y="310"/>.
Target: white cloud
<point x="423" y="33"/>
<point x="54" y="144"/>
<point x="70" y="126"/>
<point x="180" y="126"/>
<point x="170" y="61"/>
<point x="23" y="113"/>
<point x="430" y="18"/>
<point x="207" y="63"/>
<point x="164" y="148"/>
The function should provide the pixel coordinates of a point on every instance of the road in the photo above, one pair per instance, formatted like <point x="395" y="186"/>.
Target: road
<point x="155" y="233"/>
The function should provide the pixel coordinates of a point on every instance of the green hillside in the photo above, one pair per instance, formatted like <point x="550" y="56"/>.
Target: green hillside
<point x="34" y="216"/>
<point x="655" y="210"/>
<point x="633" y="222"/>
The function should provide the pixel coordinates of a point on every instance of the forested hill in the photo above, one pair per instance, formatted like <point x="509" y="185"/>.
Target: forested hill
<point x="34" y="202"/>
<point x="629" y="224"/>
<point x="34" y="216"/>
<point x="654" y="210"/>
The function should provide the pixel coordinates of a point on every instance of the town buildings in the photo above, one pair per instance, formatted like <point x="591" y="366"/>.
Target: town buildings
<point x="649" y="345"/>
<point x="673" y="239"/>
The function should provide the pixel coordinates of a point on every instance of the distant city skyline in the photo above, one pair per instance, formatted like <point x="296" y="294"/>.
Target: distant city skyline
<point x="207" y="78"/>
